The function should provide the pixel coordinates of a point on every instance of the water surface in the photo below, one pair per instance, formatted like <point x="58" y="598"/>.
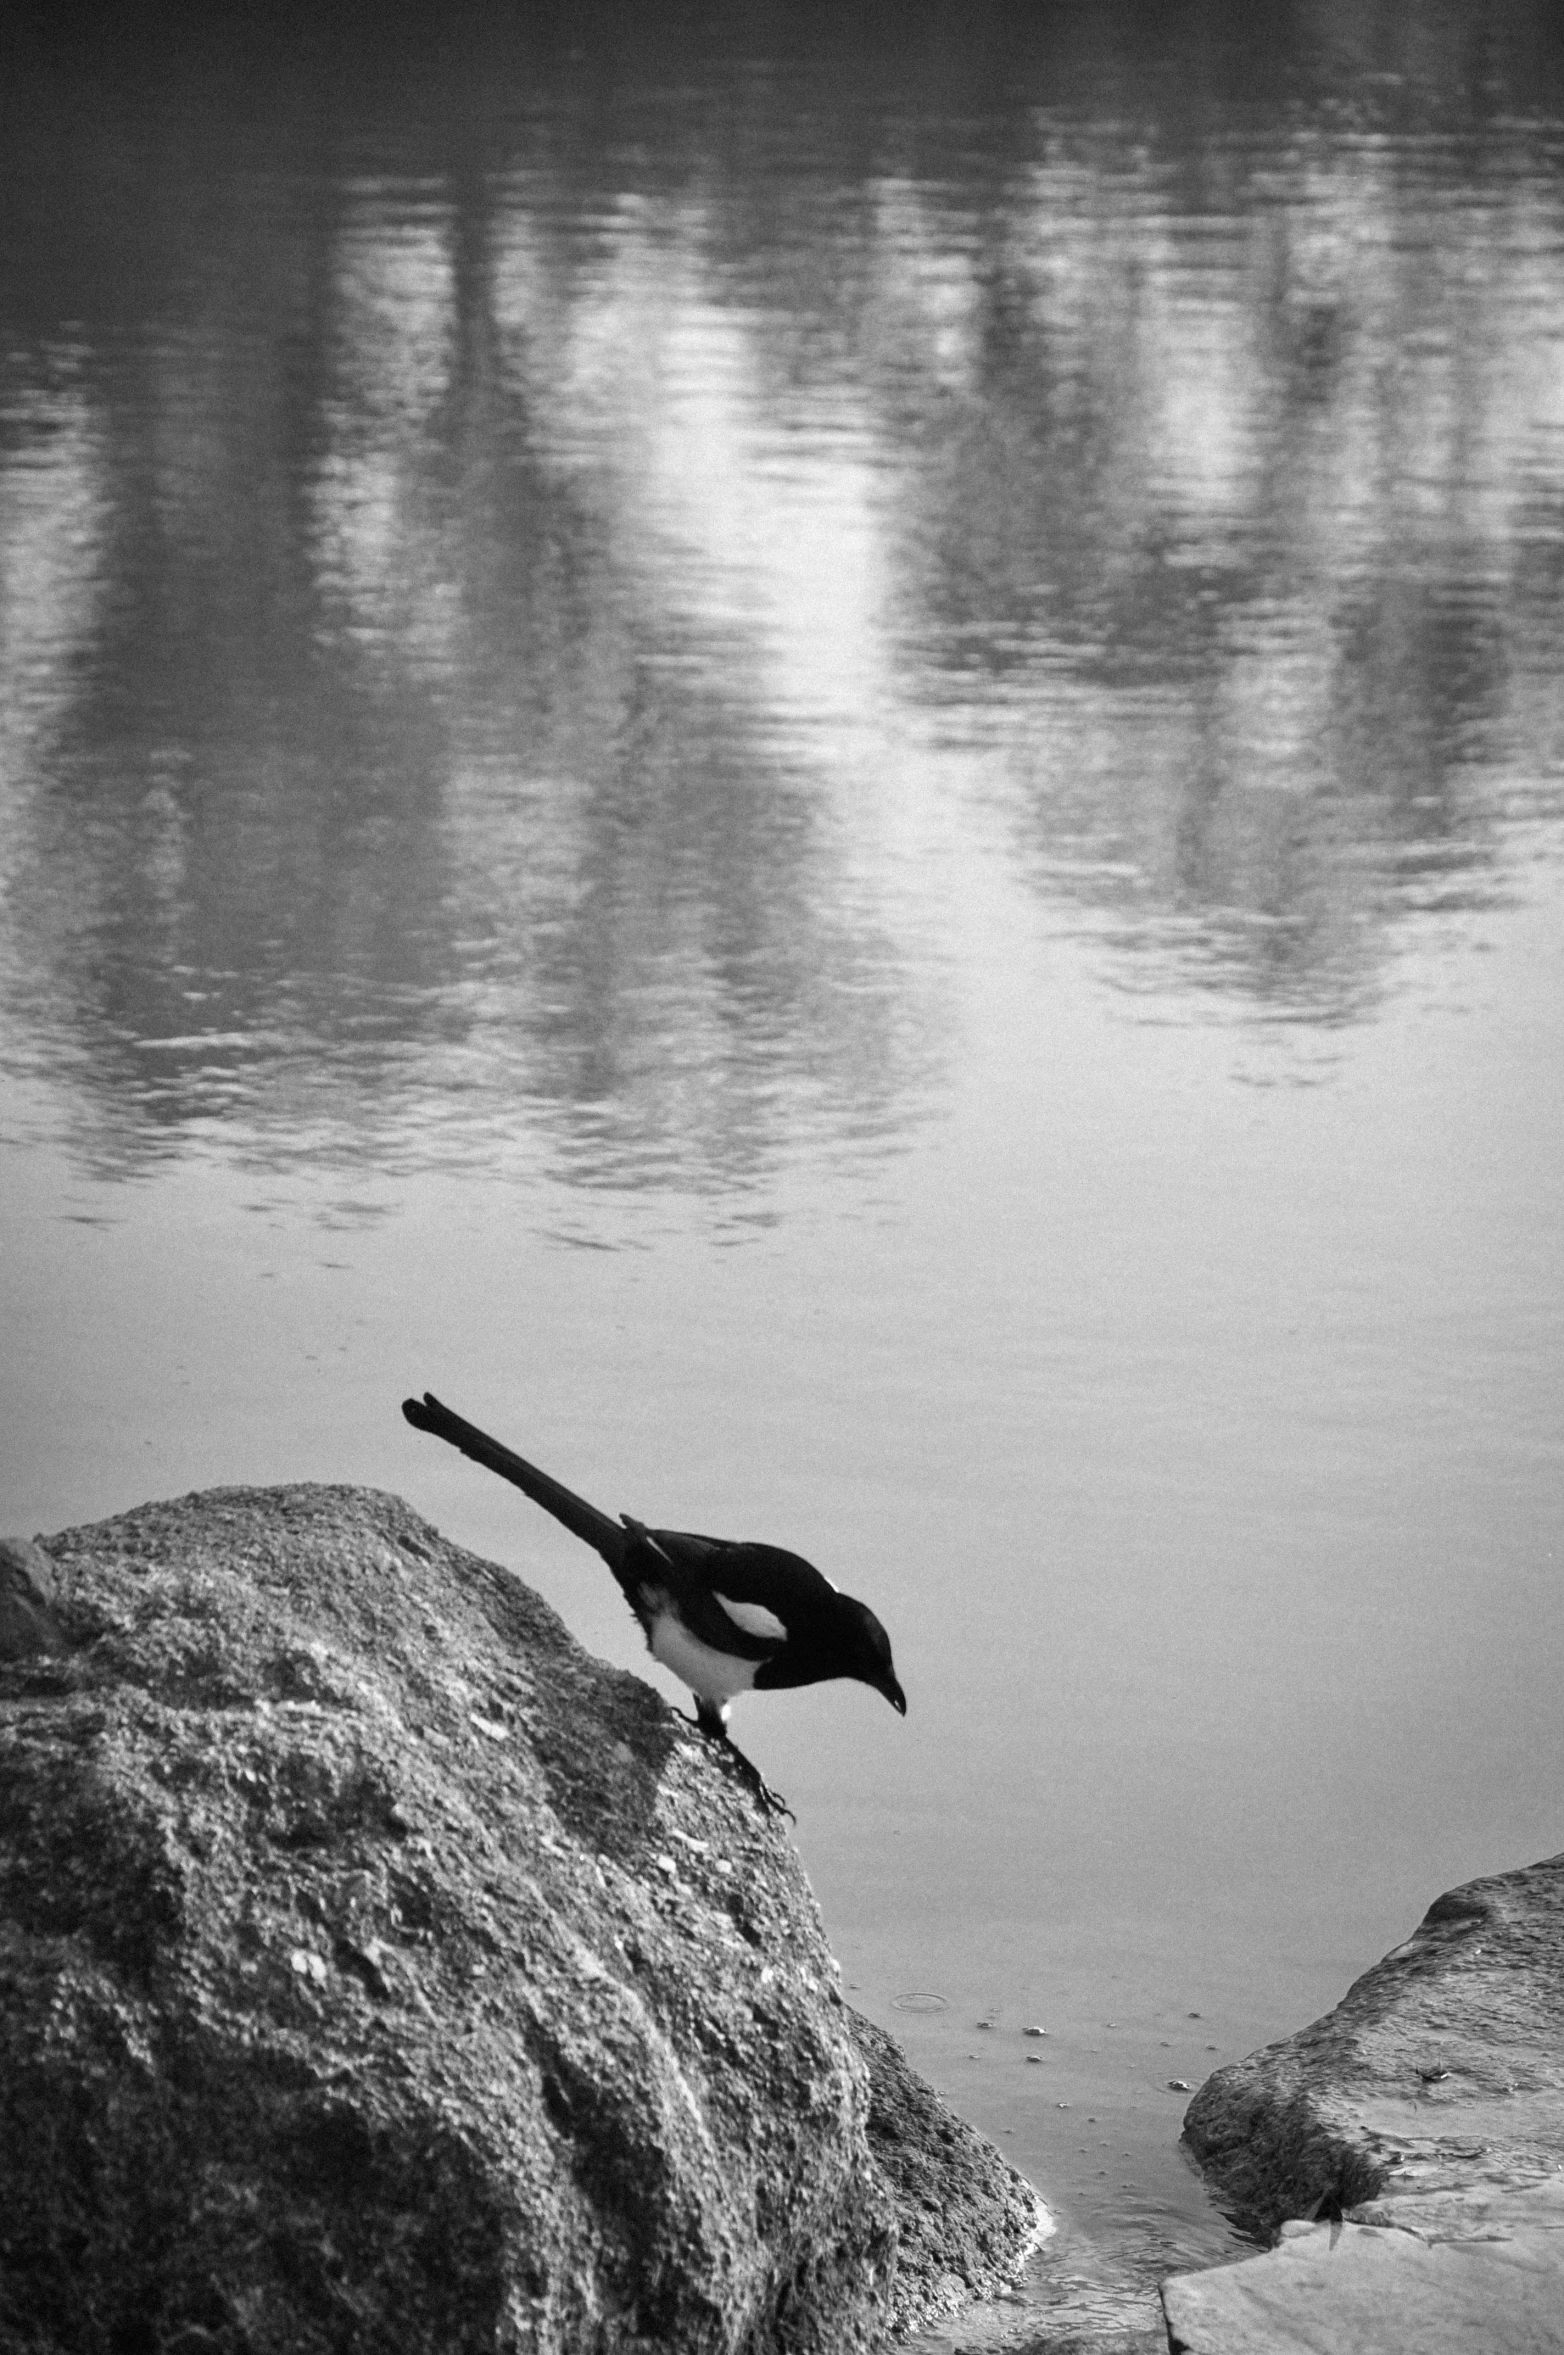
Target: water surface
<point x="824" y="762"/>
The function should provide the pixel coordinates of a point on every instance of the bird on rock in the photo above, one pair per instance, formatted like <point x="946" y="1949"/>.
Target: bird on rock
<point x="726" y="1616"/>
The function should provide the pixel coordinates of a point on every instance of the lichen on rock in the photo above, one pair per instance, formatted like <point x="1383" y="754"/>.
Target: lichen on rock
<point x="379" y="1971"/>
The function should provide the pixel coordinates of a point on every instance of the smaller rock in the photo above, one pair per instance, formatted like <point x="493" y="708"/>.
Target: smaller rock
<point x="1487" y="2280"/>
<point x="1397" y="2233"/>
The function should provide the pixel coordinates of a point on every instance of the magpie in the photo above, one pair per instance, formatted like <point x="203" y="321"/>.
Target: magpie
<point x="726" y="1616"/>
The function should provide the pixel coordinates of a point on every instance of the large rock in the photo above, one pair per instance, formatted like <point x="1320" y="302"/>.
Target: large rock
<point x="1420" y="2126"/>
<point x="379" y="1972"/>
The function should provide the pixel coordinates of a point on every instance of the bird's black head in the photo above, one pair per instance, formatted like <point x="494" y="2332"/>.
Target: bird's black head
<point x="869" y="1648"/>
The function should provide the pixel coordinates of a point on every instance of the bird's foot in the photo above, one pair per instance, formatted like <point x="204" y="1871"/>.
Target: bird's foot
<point x="771" y="1802"/>
<point x="711" y="1721"/>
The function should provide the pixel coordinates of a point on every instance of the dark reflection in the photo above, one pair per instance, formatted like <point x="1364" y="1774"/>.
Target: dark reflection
<point x="465" y="486"/>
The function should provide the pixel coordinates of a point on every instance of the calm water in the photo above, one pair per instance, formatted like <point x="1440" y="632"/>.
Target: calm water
<point x="825" y="761"/>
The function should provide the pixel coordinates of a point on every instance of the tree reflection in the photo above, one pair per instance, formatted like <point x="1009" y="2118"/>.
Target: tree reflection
<point x="468" y="510"/>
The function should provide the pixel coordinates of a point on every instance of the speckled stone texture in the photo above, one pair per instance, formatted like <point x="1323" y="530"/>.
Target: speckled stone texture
<point x="1414" y="2138"/>
<point x="379" y="1972"/>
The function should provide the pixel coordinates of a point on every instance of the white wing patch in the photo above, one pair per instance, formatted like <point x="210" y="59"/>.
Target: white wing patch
<point x="711" y="1676"/>
<point x="754" y="1618"/>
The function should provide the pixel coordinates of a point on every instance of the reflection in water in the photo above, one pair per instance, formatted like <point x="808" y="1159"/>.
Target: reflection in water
<point x="1233" y="496"/>
<point x="466" y="555"/>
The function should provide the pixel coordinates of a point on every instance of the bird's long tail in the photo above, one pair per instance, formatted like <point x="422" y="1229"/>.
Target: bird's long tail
<point x="584" y="1520"/>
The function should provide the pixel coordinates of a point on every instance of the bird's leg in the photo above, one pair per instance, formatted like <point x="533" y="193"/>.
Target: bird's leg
<point x="713" y="1724"/>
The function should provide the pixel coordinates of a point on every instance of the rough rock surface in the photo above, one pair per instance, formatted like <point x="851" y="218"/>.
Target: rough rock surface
<point x="379" y="1972"/>
<point x="1421" y="2124"/>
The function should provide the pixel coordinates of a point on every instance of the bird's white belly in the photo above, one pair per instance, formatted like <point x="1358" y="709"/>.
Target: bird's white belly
<point x="711" y="1676"/>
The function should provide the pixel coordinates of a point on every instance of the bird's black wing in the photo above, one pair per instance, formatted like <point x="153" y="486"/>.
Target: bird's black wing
<point x="582" y="1519"/>
<point x="750" y="1601"/>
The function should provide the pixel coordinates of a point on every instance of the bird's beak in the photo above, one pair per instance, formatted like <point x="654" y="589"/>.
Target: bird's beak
<point x="894" y="1694"/>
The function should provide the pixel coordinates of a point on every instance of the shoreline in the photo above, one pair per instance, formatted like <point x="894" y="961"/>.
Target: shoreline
<point x="291" y="1775"/>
